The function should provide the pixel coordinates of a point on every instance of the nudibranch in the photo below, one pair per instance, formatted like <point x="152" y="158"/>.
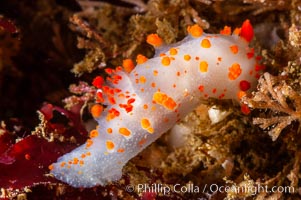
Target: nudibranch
<point x="137" y="104"/>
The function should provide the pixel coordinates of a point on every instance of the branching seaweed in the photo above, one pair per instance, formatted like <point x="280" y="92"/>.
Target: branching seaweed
<point x="276" y="95"/>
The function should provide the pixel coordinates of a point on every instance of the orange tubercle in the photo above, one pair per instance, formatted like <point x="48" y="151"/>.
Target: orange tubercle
<point x="173" y="51"/>
<point x="247" y="31"/>
<point x="124" y="131"/>
<point x="128" y="65"/>
<point x="141" y="59"/>
<point x="154" y="40"/>
<point x="50" y="167"/>
<point x="120" y="150"/>
<point x="234" y="49"/>
<point x="93" y="133"/>
<point x="195" y="30"/>
<point x="205" y="43"/>
<point x="203" y="66"/>
<point x="89" y="143"/>
<point x="234" y="71"/>
<point x="165" y="61"/>
<point x="142" y="79"/>
<point x="226" y="31"/>
<point x="110" y="130"/>
<point x="98" y="81"/>
<point x="164" y="100"/>
<point x="146" y="125"/>
<point x="187" y="57"/>
<point x="241" y="94"/>
<point x="96" y="110"/>
<point x="110" y="145"/>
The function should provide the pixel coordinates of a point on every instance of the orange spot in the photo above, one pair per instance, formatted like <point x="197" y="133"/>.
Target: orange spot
<point x="178" y="73"/>
<point x="128" y="65"/>
<point x="205" y="43"/>
<point x="109" y="130"/>
<point x="63" y="164"/>
<point x="165" y="61"/>
<point x="214" y="90"/>
<point x="120" y="150"/>
<point x="195" y="30"/>
<point x="145" y="106"/>
<point x="154" y="40"/>
<point x="124" y="131"/>
<point x="153" y="84"/>
<point x="112" y="100"/>
<point x="236" y="31"/>
<point x="93" y="133"/>
<point x="164" y="100"/>
<point x="146" y="125"/>
<point x="109" y="70"/>
<point x="150" y="130"/>
<point x="173" y="51"/>
<point x="247" y="31"/>
<point x="141" y="59"/>
<point x="142" y="79"/>
<point x="241" y="94"/>
<point x="219" y="59"/>
<point x="98" y="81"/>
<point x="155" y="72"/>
<point x="131" y="100"/>
<point x="96" y="110"/>
<point x="83" y="156"/>
<point x="234" y="49"/>
<point x="99" y="97"/>
<point x="187" y="57"/>
<point x="174" y="85"/>
<point x="81" y="162"/>
<point x="142" y="142"/>
<point x="110" y="145"/>
<point x="89" y="143"/>
<point x="203" y="66"/>
<point x="226" y="30"/>
<point x="234" y="71"/>
<point x="88" y="153"/>
<point x="75" y="161"/>
<point x="50" y="167"/>
<point x="118" y="68"/>
<point x="112" y="114"/>
<point x="197" y="58"/>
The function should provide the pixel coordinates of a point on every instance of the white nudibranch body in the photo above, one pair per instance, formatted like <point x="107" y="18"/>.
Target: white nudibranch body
<point x="144" y="102"/>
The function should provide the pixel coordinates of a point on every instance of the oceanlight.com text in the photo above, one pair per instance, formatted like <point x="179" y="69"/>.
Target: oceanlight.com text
<point x="207" y="188"/>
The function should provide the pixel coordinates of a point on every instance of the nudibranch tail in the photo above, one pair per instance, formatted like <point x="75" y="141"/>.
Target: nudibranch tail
<point x="143" y="102"/>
